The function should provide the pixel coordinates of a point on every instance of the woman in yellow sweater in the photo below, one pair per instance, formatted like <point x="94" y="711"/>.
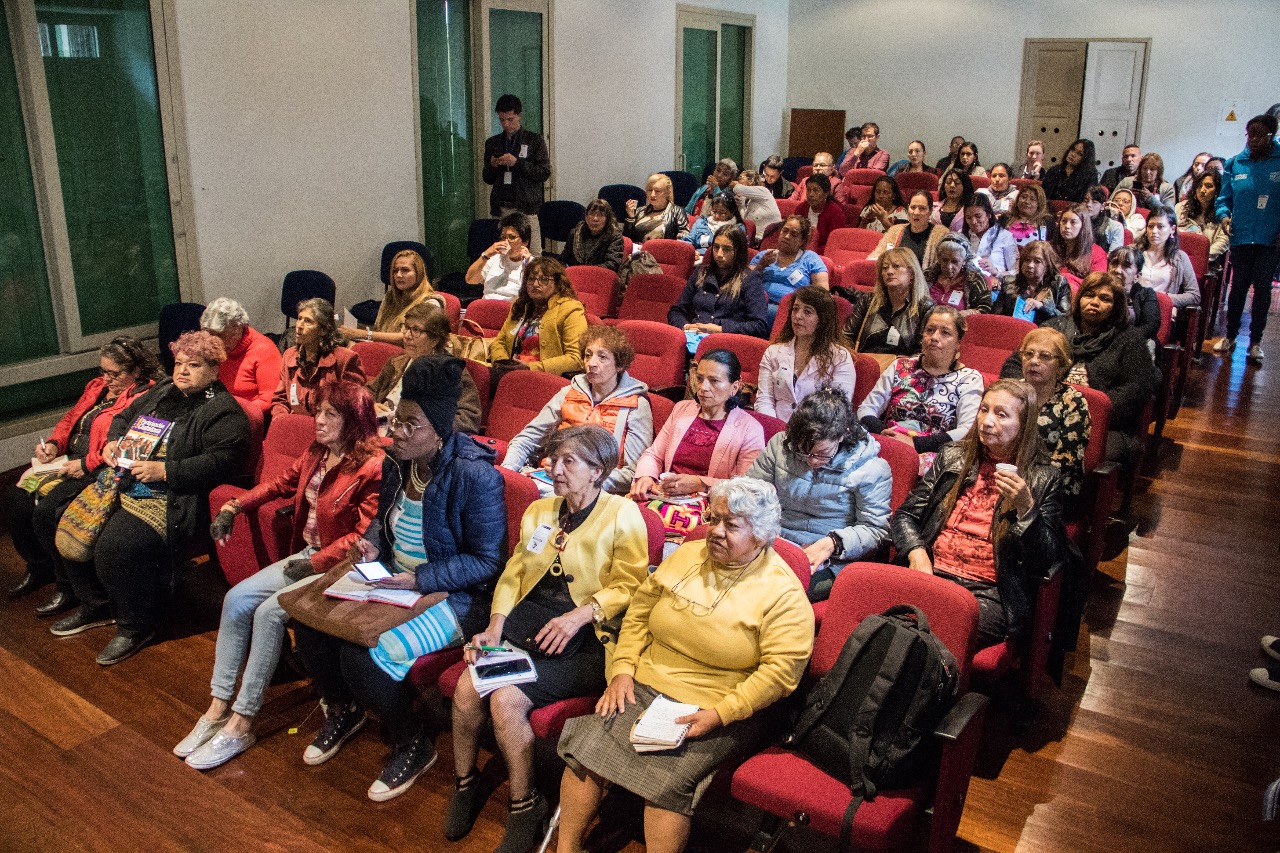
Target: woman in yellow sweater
<point x="722" y="624"/>
<point x="581" y="555"/>
<point x="544" y="329"/>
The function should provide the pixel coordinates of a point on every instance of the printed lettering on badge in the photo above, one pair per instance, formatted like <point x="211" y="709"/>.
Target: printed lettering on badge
<point x="539" y="539"/>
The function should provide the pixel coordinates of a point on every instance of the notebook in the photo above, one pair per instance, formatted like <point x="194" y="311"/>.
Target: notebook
<point x="657" y="728"/>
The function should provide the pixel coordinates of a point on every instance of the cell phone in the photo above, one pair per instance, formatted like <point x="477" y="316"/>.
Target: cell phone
<point x="374" y="571"/>
<point x="503" y="668"/>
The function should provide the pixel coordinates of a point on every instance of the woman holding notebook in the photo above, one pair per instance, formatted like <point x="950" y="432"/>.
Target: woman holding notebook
<point x="723" y="626"/>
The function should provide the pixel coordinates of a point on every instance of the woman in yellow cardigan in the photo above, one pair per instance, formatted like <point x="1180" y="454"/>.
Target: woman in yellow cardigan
<point x="546" y="323"/>
<point x="723" y="625"/>
<point x="581" y="555"/>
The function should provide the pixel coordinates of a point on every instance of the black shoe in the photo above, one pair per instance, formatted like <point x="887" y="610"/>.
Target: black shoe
<point x="80" y="621"/>
<point x="340" y="723"/>
<point x="407" y="763"/>
<point x="60" y="603"/>
<point x="526" y="824"/>
<point x="28" y="583"/>
<point x="464" y="806"/>
<point x="123" y="646"/>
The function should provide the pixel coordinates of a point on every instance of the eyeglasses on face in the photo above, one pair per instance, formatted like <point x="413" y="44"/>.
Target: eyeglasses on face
<point x="405" y="428"/>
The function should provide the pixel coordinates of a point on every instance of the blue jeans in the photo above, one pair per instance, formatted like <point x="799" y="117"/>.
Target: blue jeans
<point x="251" y="633"/>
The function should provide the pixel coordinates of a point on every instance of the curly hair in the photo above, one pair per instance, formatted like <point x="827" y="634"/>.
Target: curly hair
<point x="614" y="340"/>
<point x="825" y="415"/>
<point x="326" y="328"/>
<point x="524" y="308"/>
<point x="131" y="356"/>
<point x="359" y="435"/>
<point x="202" y="345"/>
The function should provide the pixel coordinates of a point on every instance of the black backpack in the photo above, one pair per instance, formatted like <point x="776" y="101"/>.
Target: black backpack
<point x="869" y="721"/>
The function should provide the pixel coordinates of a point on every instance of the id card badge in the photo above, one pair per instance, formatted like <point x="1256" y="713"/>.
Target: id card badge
<point x="539" y="539"/>
<point x="524" y="152"/>
<point x="1262" y="201"/>
<point x="956" y="299"/>
<point x="796" y="277"/>
<point x="506" y="177"/>
<point x="293" y="393"/>
<point x="892" y="337"/>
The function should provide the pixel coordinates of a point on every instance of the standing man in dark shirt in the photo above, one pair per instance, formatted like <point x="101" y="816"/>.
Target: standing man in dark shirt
<point x="516" y="165"/>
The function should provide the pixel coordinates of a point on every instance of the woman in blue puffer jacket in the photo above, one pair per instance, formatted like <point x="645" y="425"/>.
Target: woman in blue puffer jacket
<point x="833" y="486"/>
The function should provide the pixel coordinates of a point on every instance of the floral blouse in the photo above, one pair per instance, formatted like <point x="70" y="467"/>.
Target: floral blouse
<point x="1064" y="429"/>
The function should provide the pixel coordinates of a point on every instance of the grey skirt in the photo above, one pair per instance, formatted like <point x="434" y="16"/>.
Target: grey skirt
<point x="674" y="779"/>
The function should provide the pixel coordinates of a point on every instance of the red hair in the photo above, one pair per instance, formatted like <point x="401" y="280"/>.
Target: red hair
<point x="354" y="404"/>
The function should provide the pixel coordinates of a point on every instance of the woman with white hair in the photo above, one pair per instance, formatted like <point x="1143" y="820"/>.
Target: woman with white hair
<point x="252" y="369"/>
<point x="722" y="625"/>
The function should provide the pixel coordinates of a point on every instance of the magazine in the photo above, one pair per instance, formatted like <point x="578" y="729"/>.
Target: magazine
<point x="141" y="441"/>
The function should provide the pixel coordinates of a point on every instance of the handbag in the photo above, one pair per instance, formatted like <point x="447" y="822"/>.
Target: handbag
<point x="359" y="622"/>
<point x="84" y="518"/>
<point x="473" y="345"/>
<point x="528" y="617"/>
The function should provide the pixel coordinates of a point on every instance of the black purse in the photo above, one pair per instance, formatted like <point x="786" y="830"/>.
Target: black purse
<point x="528" y="617"/>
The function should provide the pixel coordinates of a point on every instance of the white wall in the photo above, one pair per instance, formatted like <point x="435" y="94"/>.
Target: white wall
<point x="615" y="88"/>
<point x="300" y="135"/>
<point x="883" y="61"/>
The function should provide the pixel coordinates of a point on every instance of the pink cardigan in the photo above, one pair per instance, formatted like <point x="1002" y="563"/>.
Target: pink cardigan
<point x="740" y="442"/>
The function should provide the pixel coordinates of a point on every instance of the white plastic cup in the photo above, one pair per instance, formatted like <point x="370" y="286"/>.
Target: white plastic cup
<point x="1007" y="467"/>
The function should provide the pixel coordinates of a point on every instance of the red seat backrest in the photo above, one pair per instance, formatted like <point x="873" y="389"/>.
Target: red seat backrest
<point x="650" y="296"/>
<point x="490" y="314"/>
<point x="1058" y="205"/>
<point x="257" y="426"/>
<point x="802" y="173"/>
<point x="909" y="182"/>
<point x="980" y="182"/>
<point x="452" y="310"/>
<point x="862" y="177"/>
<point x="1165" y="335"/>
<point x="860" y="275"/>
<point x="596" y="287"/>
<point x="480" y="375"/>
<point x="771" y="425"/>
<point x="991" y="339"/>
<point x="520" y="396"/>
<point x="867" y="371"/>
<point x="374" y="355"/>
<point x="661" y="352"/>
<point x="519" y="491"/>
<point x="288" y="438"/>
<point x="854" y="240"/>
<point x="657" y="534"/>
<point x="904" y="462"/>
<point x="1022" y="183"/>
<point x="792" y="554"/>
<point x="627" y="247"/>
<point x="1099" y="425"/>
<point x="662" y="409"/>
<point x="1197" y="248"/>
<point x="749" y="351"/>
<point x="676" y="257"/>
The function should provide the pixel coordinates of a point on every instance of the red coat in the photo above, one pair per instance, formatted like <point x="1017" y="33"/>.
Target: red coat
<point x="341" y="364"/>
<point x="348" y="502"/>
<point x="252" y="370"/>
<point x="98" y="429"/>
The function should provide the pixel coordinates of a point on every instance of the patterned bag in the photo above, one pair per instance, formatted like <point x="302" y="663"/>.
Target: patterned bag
<point x="86" y="516"/>
<point x="680" y="517"/>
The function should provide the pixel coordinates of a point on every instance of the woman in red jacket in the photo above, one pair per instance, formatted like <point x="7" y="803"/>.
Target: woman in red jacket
<point x="334" y="486"/>
<point x="37" y="504"/>
<point x="320" y="357"/>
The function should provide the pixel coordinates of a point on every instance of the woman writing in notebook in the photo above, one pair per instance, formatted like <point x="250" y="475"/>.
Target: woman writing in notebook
<point x="722" y="625"/>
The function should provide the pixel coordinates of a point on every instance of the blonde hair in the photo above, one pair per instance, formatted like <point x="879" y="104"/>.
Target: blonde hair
<point x="395" y="302"/>
<point x="662" y="182"/>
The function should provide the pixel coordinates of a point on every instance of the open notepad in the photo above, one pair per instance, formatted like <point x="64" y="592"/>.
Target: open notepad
<point x="657" y="728"/>
<point x="352" y="587"/>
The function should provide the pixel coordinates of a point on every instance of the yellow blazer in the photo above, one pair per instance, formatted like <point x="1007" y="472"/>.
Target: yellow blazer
<point x="559" y="337"/>
<point x="608" y="556"/>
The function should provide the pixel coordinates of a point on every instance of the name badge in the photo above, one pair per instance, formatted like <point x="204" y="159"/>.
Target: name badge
<point x="293" y="393"/>
<point x="1262" y="202"/>
<point x="524" y="152"/>
<point x="506" y="177"/>
<point x="956" y="299"/>
<point x="539" y="539"/>
<point x="704" y="239"/>
<point x="893" y="337"/>
<point x="796" y="277"/>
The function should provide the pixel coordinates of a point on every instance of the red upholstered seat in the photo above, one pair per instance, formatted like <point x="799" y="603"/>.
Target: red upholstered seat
<point x="661" y="352"/>
<point x="991" y="339"/>
<point x="862" y="177"/>
<point x="375" y="354"/>
<point x="676" y="257"/>
<point x="909" y="182"/>
<point x="596" y="287"/>
<point x="520" y="396"/>
<point x="867" y="371"/>
<point x="490" y="314"/>
<point x="980" y="182"/>
<point x="749" y="351"/>
<point x="904" y="462"/>
<point x="650" y="296"/>
<point x="772" y="426"/>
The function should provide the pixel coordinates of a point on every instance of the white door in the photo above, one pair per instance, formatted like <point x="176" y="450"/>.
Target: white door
<point x="1052" y="83"/>
<point x="1112" y="105"/>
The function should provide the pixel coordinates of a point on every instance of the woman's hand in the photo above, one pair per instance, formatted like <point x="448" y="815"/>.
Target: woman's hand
<point x="768" y="259"/>
<point x="985" y="265"/>
<point x="46" y="451"/>
<point x="110" y="453"/>
<point x="706" y="328"/>
<point x="520" y="254"/>
<point x="919" y="560"/>
<point x="149" y="472"/>
<point x="490" y="636"/>
<point x="400" y="580"/>
<point x="557" y="633"/>
<point x="364" y="549"/>
<point x="642" y="489"/>
<point x="73" y="469"/>
<point x="900" y="436"/>
<point x="499" y="248"/>
<point x="632" y="206"/>
<point x="1012" y="487"/>
<point x="680" y="485"/>
<point x="819" y="551"/>
<point x="701" y="722"/>
<point x="1033" y="304"/>
<point x="621" y="690"/>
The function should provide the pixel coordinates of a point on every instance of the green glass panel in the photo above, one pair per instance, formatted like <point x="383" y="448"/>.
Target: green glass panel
<point x="27" y="328"/>
<point x="100" y="69"/>
<point x="733" y="77"/>
<point x="698" y="100"/>
<point x="515" y="64"/>
<point x="448" y="154"/>
<point x="56" y="393"/>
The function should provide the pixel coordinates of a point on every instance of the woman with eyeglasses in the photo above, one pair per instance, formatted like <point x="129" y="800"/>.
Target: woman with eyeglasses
<point x="582" y="553"/>
<point x="36" y="504"/>
<point x="426" y="332"/>
<point x="440" y="527"/>
<point x="1064" y="414"/>
<point x="544" y="329"/>
<point x="832" y="485"/>
<point x="721" y="625"/>
<point x="334" y="489"/>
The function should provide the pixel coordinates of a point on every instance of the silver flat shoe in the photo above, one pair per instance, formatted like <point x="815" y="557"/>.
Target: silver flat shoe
<point x="199" y="736"/>
<point x="220" y="749"/>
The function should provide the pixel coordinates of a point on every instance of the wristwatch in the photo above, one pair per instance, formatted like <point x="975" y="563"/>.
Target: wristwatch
<point x="597" y="612"/>
<point x="837" y="541"/>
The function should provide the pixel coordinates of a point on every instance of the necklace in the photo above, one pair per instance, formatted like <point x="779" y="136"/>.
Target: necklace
<point x="416" y="480"/>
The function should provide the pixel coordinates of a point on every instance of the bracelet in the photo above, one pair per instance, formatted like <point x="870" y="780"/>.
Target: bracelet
<point x="837" y="541"/>
<point x="597" y="612"/>
<point x="368" y="334"/>
<point x="485" y="257"/>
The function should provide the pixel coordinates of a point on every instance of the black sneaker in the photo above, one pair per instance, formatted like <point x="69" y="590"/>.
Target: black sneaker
<point x="339" y="725"/>
<point x="80" y="621"/>
<point x="464" y="807"/>
<point x="526" y="824"/>
<point x="407" y="763"/>
<point x="123" y="646"/>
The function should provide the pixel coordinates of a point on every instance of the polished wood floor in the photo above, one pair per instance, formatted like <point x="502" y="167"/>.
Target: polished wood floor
<point x="1156" y="742"/>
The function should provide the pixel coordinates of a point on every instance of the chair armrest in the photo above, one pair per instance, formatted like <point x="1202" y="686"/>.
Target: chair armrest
<point x="961" y="715"/>
<point x="960" y="732"/>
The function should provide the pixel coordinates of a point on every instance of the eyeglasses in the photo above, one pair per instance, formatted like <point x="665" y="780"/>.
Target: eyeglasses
<point x="542" y="279"/>
<point x="414" y="330"/>
<point x="113" y="374"/>
<point x="405" y="428"/>
<point x="820" y="458"/>
<point x="1031" y="355"/>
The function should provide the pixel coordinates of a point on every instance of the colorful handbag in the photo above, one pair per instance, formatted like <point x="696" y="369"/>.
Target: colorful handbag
<point x="85" y="517"/>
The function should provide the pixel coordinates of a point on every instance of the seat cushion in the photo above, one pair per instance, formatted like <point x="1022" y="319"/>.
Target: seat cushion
<point x="426" y="670"/>
<point x="548" y="721"/>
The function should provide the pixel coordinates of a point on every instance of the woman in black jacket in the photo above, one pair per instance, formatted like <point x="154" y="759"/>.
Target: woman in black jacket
<point x="988" y="514"/>
<point x="596" y="241"/>
<point x="723" y="294"/>
<point x="1071" y="179"/>
<point x="164" y="498"/>
<point x="1125" y="263"/>
<point x="1110" y="355"/>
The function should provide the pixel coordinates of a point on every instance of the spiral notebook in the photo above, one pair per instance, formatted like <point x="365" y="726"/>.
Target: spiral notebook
<point x="657" y="728"/>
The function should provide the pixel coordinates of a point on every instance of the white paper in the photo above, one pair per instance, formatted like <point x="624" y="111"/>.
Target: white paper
<point x="53" y="466"/>
<point x="348" y="319"/>
<point x="657" y="727"/>
<point x="506" y="177"/>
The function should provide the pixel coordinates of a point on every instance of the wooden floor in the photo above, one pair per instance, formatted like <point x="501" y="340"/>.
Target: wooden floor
<point x="1156" y="742"/>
